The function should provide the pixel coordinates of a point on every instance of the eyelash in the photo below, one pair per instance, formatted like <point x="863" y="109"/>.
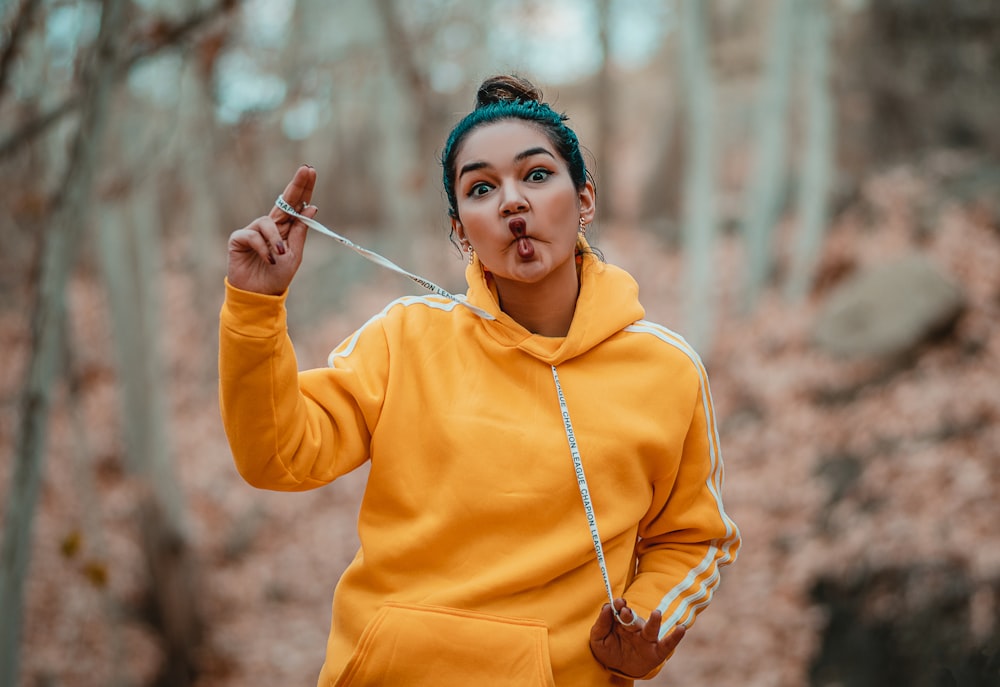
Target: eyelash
<point x="538" y="170"/>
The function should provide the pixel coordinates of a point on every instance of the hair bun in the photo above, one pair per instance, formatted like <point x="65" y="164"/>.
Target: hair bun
<point x="504" y="88"/>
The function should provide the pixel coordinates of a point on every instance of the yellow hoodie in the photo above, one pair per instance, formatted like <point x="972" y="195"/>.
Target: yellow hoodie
<point x="476" y="564"/>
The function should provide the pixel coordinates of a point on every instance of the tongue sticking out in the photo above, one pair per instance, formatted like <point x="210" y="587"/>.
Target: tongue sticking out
<point x="524" y="248"/>
<point x="518" y="227"/>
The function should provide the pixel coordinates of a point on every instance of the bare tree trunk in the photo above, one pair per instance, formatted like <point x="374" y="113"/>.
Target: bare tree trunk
<point x="604" y="101"/>
<point x="47" y="332"/>
<point x="814" y="185"/>
<point x="128" y="241"/>
<point x="414" y="92"/>
<point x="767" y="184"/>
<point x="204" y="219"/>
<point x="410" y="141"/>
<point x="661" y="200"/>
<point x="699" y="182"/>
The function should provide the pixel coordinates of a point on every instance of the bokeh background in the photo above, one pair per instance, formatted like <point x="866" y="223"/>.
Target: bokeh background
<point x="809" y="190"/>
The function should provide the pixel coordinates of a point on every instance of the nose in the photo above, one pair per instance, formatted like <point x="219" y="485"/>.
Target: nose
<point x="512" y="200"/>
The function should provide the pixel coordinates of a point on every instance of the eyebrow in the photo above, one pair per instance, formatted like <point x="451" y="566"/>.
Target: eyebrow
<point x="473" y="166"/>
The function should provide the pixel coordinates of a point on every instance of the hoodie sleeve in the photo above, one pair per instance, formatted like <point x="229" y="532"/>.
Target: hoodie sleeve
<point x="687" y="536"/>
<point x="291" y="431"/>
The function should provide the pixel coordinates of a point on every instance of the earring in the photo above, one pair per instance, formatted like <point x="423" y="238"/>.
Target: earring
<point x="467" y="247"/>
<point x="583" y="226"/>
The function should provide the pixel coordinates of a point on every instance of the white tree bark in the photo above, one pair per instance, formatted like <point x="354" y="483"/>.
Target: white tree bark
<point x="604" y="105"/>
<point x="128" y="241"/>
<point x="817" y="163"/>
<point x="406" y="125"/>
<point x="698" y="232"/>
<point x="410" y="111"/>
<point x="128" y="245"/>
<point x="62" y="238"/>
<point x="767" y="182"/>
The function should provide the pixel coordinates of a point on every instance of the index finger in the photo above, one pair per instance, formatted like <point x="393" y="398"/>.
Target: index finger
<point x="298" y="192"/>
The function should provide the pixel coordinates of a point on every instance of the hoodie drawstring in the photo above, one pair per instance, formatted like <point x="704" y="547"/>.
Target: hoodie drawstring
<point x="283" y="205"/>
<point x="581" y="481"/>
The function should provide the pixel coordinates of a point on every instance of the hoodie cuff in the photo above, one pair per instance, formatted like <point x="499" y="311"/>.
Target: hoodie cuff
<point x="648" y="676"/>
<point x="254" y="315"/>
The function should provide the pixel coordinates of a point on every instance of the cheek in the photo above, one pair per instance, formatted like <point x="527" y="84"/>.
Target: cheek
<point x="568" y="213"/>
<point x="473" y="224"/>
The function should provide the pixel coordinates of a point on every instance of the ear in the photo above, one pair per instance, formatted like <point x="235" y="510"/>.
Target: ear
<point x="456" y="226"/>
<point x="587" y="198"/>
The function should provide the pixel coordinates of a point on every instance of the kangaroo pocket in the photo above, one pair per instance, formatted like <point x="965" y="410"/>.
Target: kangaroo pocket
<point x="417" y="645"/>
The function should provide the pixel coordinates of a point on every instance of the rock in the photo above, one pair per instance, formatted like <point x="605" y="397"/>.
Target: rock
<point x="888" y="310"/>
<point x="910" y="625"/>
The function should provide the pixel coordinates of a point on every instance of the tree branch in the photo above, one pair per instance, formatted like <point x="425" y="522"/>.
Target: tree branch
<point x="159" y="36"/>
<point x="25" y="15"/>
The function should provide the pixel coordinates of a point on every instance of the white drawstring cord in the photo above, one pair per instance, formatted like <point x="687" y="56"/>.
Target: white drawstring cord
<point x="283" y="205"/>
<point x="588" y="506"/>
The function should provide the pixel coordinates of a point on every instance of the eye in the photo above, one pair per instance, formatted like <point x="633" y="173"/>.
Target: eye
<point x="539" y="174"/>
<point x="479" y="189"/>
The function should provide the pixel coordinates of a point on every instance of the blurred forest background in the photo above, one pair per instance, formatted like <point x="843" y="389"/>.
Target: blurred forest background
<point x="809" y="190"/>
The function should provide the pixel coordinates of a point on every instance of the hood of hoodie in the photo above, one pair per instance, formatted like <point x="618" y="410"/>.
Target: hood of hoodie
<point x="607" y="302"/>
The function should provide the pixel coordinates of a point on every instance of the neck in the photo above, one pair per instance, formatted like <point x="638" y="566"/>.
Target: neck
<point x="544" y="308"/>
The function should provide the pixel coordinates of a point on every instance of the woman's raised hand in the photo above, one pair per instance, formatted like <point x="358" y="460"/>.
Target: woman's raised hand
<point x="265" y="255"/>
<point x="634" y="649"/>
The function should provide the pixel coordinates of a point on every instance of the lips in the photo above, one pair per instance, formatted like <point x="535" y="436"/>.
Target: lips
<point x="519" y="228"/>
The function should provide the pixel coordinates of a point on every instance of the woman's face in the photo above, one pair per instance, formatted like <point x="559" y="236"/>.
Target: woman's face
<point x="517" y="205"/>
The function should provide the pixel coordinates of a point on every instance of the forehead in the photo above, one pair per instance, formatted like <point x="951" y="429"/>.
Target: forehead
<point x="500" y="142"/>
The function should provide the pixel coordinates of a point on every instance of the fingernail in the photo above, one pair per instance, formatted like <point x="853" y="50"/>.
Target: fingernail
<point x="281" y="247"/>
<point x="270" y="259"/>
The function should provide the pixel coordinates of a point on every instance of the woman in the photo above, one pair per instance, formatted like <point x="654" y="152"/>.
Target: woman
<point x="500" y="436"/>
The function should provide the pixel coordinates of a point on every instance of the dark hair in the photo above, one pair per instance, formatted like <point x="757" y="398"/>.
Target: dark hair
<point x="511" y="97"/>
